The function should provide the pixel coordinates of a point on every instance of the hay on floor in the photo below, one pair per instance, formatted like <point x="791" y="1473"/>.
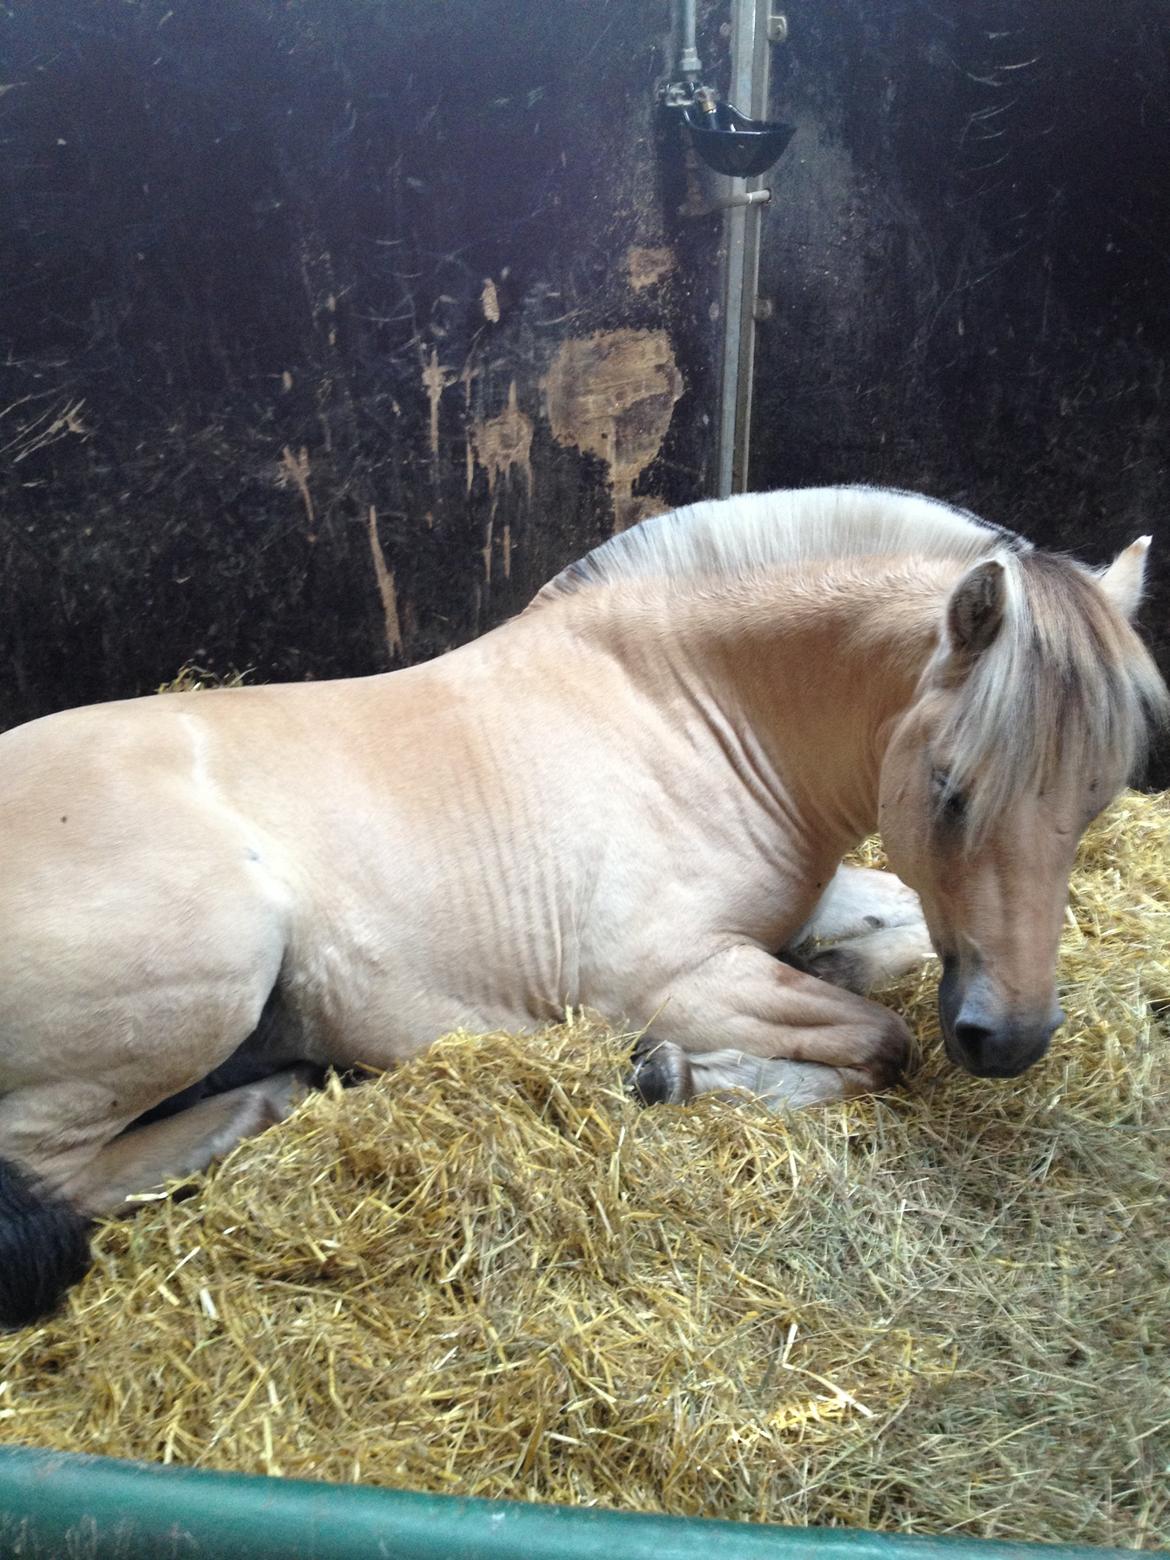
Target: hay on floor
<point x="194" y="679"/>
<point x="947" y="1310"/>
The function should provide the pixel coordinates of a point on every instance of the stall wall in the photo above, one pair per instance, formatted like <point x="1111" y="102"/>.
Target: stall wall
<point x="967" y="260"/>
<point x="329" y="328"/>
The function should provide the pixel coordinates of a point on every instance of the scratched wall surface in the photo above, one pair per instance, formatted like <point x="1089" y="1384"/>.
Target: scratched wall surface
<point x="329" y="328"/>
<point x="968" y="257"/>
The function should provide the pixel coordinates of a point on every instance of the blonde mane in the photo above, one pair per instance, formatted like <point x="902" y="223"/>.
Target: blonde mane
<point x="735" y="538"/>
<point x="1066" y="683"/>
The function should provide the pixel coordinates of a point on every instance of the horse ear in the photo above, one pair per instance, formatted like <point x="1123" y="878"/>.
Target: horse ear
<point x="1125" y="577"/>
<point x="975" y="610"/>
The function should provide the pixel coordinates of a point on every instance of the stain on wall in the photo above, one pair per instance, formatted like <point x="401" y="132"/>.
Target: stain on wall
<point x="387" y="591"/>
<point x="503" y="444"/>
<point x="285" y="282"/>
<point x="613" y="395"/>
<point x="648" y="267"/>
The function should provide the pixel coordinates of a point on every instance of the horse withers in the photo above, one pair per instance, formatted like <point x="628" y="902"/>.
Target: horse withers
<point x="628" y="798"/>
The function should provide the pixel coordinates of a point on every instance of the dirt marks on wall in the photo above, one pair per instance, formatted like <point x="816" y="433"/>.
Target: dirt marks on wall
<point x="503" y="444"/>
<point x="612" y="394"/>
<point x="647" y="266"/>
<point x="387" y="591"/>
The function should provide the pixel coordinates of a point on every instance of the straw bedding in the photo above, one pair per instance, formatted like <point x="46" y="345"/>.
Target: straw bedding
<point x="947" y="1310"/>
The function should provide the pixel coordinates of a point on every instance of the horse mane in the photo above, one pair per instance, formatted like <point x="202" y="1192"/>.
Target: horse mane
<point x="735" y="538"/>
<point x="1065" y="684"/>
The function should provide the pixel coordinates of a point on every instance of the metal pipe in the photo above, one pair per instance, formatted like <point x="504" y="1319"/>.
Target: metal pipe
<point x="750" y="280"/>
<point x="54" y="1504"/>
<point x="749" y="60"/>
<point x="745" y="197"/>
<point x="689" y="63"/>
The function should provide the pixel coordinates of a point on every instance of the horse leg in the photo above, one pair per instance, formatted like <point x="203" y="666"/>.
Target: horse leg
<point x="864" y="964"/>
<point x="859" y="900"/>
<point x="45" y="1219"/>
<point x="780" y="1033"/>
<point x="130" y="1012"/>
<point x="665" y="1074"/>
<point x="867" y="929"/>
<point x="181" y="1145"/>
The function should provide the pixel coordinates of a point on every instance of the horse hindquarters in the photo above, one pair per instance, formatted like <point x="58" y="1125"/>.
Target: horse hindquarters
<point x="44" y="1238"/>
<point x="138" y="952"/>
<point x="65" y="1152"/>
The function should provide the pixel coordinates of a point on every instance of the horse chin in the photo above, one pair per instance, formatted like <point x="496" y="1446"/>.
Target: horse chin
<point x="950" y="1000"/>
<point x="950" y="1048"/>
<point x="1013" y="1069"/>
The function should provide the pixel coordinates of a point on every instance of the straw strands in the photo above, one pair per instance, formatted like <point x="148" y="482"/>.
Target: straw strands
<point x="946" y="1310"/>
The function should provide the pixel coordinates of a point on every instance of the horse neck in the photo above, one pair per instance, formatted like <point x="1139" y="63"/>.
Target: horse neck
<point x="805" y="675"/>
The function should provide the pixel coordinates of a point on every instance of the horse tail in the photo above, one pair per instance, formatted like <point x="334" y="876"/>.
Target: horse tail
<point x="44" y="1248"/>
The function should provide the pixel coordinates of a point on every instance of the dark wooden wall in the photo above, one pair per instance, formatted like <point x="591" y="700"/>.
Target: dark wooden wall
<point x="274" y="267"/>
<point x="330" y="328"/>
<point x="968" y="259"/>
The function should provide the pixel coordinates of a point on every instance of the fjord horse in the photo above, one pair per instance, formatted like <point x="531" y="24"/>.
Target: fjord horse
<point x="630" y="798"/>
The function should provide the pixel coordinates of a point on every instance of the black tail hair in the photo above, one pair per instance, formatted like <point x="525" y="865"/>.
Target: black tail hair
<point x="44" y="1248"/>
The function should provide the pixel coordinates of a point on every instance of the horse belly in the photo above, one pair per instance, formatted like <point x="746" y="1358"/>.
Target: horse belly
<point x="436" y="918"/>
<point x="374" y="982"/>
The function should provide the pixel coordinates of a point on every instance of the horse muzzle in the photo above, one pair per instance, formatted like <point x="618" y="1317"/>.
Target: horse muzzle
<point x="982" y="1038"/>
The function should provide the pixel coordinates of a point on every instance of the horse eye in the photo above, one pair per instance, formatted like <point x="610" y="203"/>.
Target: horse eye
<point x="951" y="804"/>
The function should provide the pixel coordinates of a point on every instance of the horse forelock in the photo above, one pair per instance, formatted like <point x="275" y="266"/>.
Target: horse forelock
<point x="1066" y="686"/>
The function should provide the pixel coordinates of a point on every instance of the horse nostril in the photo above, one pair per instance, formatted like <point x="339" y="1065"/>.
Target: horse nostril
<point x="972" y="1038"/>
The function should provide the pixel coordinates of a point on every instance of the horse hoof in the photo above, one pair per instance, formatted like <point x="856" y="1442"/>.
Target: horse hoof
<point x="841" y="967"/>
<point x="660" y="1075"/>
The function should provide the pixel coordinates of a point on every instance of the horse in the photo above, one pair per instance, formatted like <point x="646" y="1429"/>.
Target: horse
<point x="633" y="797"/>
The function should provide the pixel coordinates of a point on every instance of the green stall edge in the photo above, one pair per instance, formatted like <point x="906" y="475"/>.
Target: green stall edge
<point x="63" y="1506"/>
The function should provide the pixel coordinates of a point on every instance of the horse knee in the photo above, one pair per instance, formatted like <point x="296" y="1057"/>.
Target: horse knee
<point x="44" y="1248"/>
